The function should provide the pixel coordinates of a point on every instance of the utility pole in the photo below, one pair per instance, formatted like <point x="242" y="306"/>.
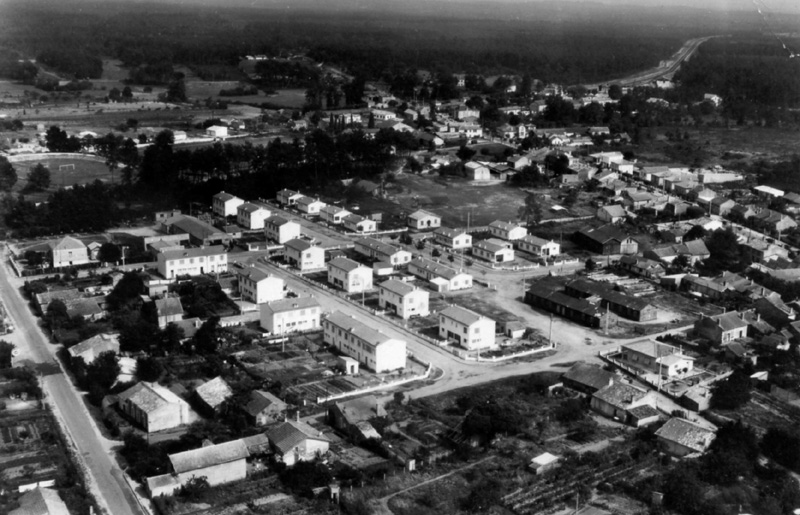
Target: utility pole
<point x="551" y="330"/>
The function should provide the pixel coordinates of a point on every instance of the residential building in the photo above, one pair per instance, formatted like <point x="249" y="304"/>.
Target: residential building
<point x="587" y="378"/>
<point x="225" y="204"/>
<point x="281" y="230"/>
<point x="507" y="230"/>
<point x="477" y="172"/>
<point x="369" y="346"/>
<point x="40" y="501"/>
<point x="444" y="278"/>
<point x="655" y="357"/>
<point x="539" y="246"/>
<point x="694" y="250"/>
<point x="758" y="250"/>
<point x="380" y="251"/>
<point x="288" y="197"/>
<point x="768" y="192"/>
<point x="259" y="287"/>
<point x="168" y="310"/>
<point x="543" y="294"/>
<point x="333" y="214"/>
<point x="493" y="251"/>
<point x="519" y="162"/>
<point x="681" y="437"/>
<point x="455" y="239"/>
<point x="615" y="401"/>
<point x="612" y="214"/>
<point x="295" y="441"/>
<point x="628" y="306"/>
<point x="641" y="266"/>
<point x="264" y="408"/>
<point x="774" y="221"/>
<point x="359" y="224"/>
<point x="349" y="275"/>
<point x="68" y="251"/>
<point x="721" y="329"/>
<point x="304" y="256"/>
<point x="404" y="299"/>
<point x="420" y="220"/>
<point x="193" y="261"/>
<point x="721" y="205"/>
<point x="353" y="417"/>
<point x="252" y="216"/>
<point x="310" y="206"/>
<point x="467" y="328"/>
<point x="212" y="394"/>
<point x="91" y="348"/>
<point x="606" y="240"/>
<point x="290" y="315"/>
<point x="155" y="408"/>
<point x="217" y="131"/>
<point x="200" y="233"/>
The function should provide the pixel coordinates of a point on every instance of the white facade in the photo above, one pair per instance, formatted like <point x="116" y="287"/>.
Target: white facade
<point x="493" y="252"/>
<point x="68" y="251"/>
<point x="454" y="238"/>
<point x="280" y="229"/>
<point x="310" y="205"/>
<point x="539" y="246"/>
<point x="507" y="230"/>
<point x="291" y="315"/>
<point x="349" y="275"/>
<point x="333" y="214"/>
<point x="301" y="254"/>
<point x="217" y="131"/>
<point x="359" y="224"/>
<point x="424" y="220"/>
<point x="405" y="300"/>
<point x="225" y="204"/>
<point x="369" y="346"/>
<point x="471" y="330"/>
<point x="288" y="197"/>
<point x="438" y="273"/>
<point x="251" y="216"/>
<point x="375" y="249"/>
<point x="194" y="261"/>
<point x="260" y="287"/>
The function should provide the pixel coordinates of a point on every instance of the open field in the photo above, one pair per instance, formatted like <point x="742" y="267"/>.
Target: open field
<point x="287" y="98"/>
<point x="84" y="172"/>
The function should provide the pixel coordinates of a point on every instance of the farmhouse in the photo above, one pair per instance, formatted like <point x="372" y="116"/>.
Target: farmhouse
<point x="453" y="238"/>
<point x="402" y="298"/>
<point x="469" y="329"/>
<point x="380" y="251"/>
<point x="155" y="408"/>
<point x="303" y="255"/>
<point x="295" y="441"/>
<point x="507" y="230"/>
<point x="280" y="229"/>
<point x="369" y="346"/>
<point x="258" y="286"/>
<point x="251" y="216"/>
<point x="681" y="437"/>
<point x="539" y="246"/>
<point x="291" y="315"/>
<point x="445" y="279"/>
<point x="349" y="275"/>
<point x="493" y="251"/>
<point x="193" y="261"/>
<point x="225" y="204"/>
<point x="423" y="220"/>
<point x="68" y="251"/>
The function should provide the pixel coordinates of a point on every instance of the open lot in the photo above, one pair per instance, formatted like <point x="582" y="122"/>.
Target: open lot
<point x="75" y="171"/>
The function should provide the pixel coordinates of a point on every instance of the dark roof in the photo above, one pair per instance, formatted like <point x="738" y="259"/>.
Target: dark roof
<point x="620" y="394"/>
<point x="589" y="375"/>
<point x="290" y="434"/>
<point x="686" y="433"/>
<point x="260" y="400"/>
<point x="604" y="234"/>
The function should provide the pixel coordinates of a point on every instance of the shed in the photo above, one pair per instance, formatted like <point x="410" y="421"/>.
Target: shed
<point x="544" y="462"/>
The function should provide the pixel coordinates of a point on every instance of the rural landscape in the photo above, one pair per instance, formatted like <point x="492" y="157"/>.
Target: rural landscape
<point x="405" y="258"/>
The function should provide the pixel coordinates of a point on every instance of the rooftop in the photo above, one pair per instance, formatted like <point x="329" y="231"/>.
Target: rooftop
<point x="620" y="395"/>
<point x="346" y="264"/>
<point x="208" y="456"/>
<point x="686" y="433"/>
<point x="290" y="434"/>
<point x="291" y="304"/>
<point x="261" y="400"/>
<point x="214" y="392"/>
<point x="398" y="287"/>
<point x="368" y="334"/>
<point x="149" y="397"/>
<point x="171" y="255"/>
<point x="97" y="344"/>
<point x="461" y="315"/>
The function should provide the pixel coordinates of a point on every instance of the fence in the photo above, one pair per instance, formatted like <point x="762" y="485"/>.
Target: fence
<point x="21" y="158"/>
<point x="382" y="386"/>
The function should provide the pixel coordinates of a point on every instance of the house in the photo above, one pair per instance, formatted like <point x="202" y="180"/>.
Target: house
<point x="295" y="441"/>
<point x="420" y="220"/>
<point x="544" y="463"/>
<point x="721" y="329"/>
<point x="404" y="299"/>
<point x="614" y="400"/>
<point x="168" y="310"/>
<point x="758" y="250"/>
<point x="155" y="408"/>
<point x="721" y="205"/>
<point x="455" y="239"/>
<point x="288" y="197"/>
<point x="539" y="246"/>
<point x="768" y="192"/>
<point x="258" y="286"/>
<point x="694" y="251"/>
<point x="655" y="357"/>
<point x="68" y="251"/>
<point x="445" y="278"/>
<point x="349" y="275"/>
<point x="612" y="214"/>
<point x="380" y="251"/>
<point x="628" y="306"/>
<point x="519" y="162"/>
<point x="493" y="251"/>
<point x="641" y="266"/>
<point x="91" y="348"/>
<point x="467" y="328"/>
<point x="550" y="298"/>
<point x="40" y="501"/>
<point x="606" y="240"/>
<point x="587" y="378"/>
<point x="742" y="211"/>
<point x="200" y="233"/>
<point x="310" y="206"/>
<point x="477" y="172"/>
<point x="353" y="417"/>
<point x="219" y="464"/>
<point x="333" y="214"/>
<point x="212" y="394"/>
<point x="193" y="261"/>
<point x="359" y="224"/>
<point x="225" y="204"/>
<point x="636" y="200"/>
<point x="93" y="250"/>
<point x="304" y="256"/>
<point x="681" y="437"/>
<point x="507" y="230"/>
<point x="280" y="229"/>
<point x="290" y="315"/>
<point x="360" y="341"/>
<point x="251" y="216"/>
<point x="774" y="221"/>
<point x="217" y="131"/>
<point x="264" y="408"/>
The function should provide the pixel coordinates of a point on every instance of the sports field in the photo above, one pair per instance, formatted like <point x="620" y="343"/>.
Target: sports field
<point x="63" y="172"/>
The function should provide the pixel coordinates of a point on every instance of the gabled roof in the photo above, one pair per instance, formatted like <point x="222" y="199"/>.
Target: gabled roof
<point x="620" y="395"/>
<point x="369" y="335"/>
<point x="449" y="232"/>
<point x="276" y="221"/>
<point x="194" y="252"/>
<point x="361" y="409"/>
<point x="292" y="304"/>
<point x="254" y="274"/>
<point x="535" y="240"/>
<point x="149" y="397"/>
<point x="67" y="243"/>
<point x="40" y="501"/>
<point x="97" y="344"/>
<point x="248" y="207"/>
<point x="214" y="392"/>
<point x="461" y="315"/>
<point x="604" y="234"/>
<point x="503" y="226"/>
<point x="398" y="287"/>
<point x="687" y="434"/>
<point x="589" y="375"/>
<point x="489" y="246"/>
<point x="308" y="201"/>
<point x="261" y="400"/>
<point x="290" y="434"/>
<point x="614" y="210"/>
<point x="345" y="264"/>
<point x="729" y="321"/>
<point x="434" y="268"/>
<point x="208" y="456"/>
<point x="169" y="306"/>
<point x="378" y="246"/>
<point x="225" y="197"/>
<point x="298" y="244"/>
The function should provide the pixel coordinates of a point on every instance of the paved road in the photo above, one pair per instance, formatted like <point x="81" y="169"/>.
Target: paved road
<point x="93" y="451"/>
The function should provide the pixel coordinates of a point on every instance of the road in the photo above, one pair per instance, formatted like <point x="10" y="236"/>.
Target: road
<point x="671" y="67"/>
<point x="92" y="450"/>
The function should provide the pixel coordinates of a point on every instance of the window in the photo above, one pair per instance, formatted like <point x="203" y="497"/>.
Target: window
<point x="477" y="330"/>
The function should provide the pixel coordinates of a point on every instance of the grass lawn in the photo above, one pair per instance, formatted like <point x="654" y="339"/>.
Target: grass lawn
<point x="295" y="98"/>
<point x="84" y="172"/>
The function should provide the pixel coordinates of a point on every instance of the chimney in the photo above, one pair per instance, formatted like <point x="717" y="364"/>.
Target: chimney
<point x="297" y="417"/>
<point x="741" y="316"/>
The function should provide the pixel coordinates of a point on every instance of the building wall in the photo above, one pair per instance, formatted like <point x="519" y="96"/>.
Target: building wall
<point x="389" y="355"/>
<point x="305" y="451"/>
<point x="413" y="304"/>
<point x="172" y="268"/>
<point x="291" y="321"/>
<point x="218" y="474"/>
<point x="254" y="220"/>
<point x="283" y="233"/>
<point x="70" y="257"/>
<point x="266" y="290"/>
<point x="228" y="208"/>
<point x="462" y="241"/>
<point x="309" y="259"/>
<point x="479" y="335"/>
<point x="428" y="222"/>
<point x="355" y="281"/>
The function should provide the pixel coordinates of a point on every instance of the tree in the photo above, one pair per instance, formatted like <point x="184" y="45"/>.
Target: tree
<point x="483" y="495"/>
<point x="399" y="397"/>
<point x="148" y="369"/>
<point x="531" y="212"/>
<point x="176" y="90"/>
<point x="615" y="92"/>
<point x="6" y="353"/>
<point x="194" y="488"/>
<point x="465" y="153"/>
<point x="723" y="246"/>
<point x="127" y="94"/>
<point x="8" y="174"/>
<point x="109" y="253"/>
<point x="731" y="393"/>
<point x="695" y="233"/>
<point x="39" y="178"/>
<point x="103" y="371"/>
<point x="114" y="95"/>
<point x="205" y="339"/>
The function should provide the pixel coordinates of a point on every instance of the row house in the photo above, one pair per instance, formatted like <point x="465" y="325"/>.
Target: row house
<point x="455" y="239"/>
<point x="539" y="246"/>
<point x="303" y="255"/>
<point x="290" y="315"/>
<point x="258" y="286"/>
<point x="494" y="251"/>
<point x="225" y="204"/>
<point x="349" y="275"/>
<point x="373" y="349"/>
<point x="333" y="215"/>
<point x="359" y="224"/>
<point x="251" y="216"/>
<point x="194" y="261"/>
<point x="507" y="230"/>
<point x="469" y="329"/>
<point x="404" y="299"/>
<point x="445" y="278"/>
<point x="310" y="206"/>
<point x="380" y="251"/>
<point x="280" y="229"/>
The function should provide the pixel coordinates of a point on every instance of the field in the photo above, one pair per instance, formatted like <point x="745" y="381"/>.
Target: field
<point x="84" y="172"/>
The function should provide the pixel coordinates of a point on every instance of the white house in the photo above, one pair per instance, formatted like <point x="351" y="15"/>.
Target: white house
<point x="194" y="261"/>
<point x="359" y="224"/>
<point x="303" y="255"/>
<point x="360" y="341"/>
<point x="217" y="131"/>
<point x="469" y="329"/>
<point x="404" y="299"/>
<point x="612" y="214"/>
<point x="310" y="206"/>
<point x="280" y="229"/>
<point x="444" y="278"/>
<point x="259" y="287"/>
<point x="251" y="216"/>
<point x="291" y="315"/>
<point x="225" y="204"/>
<point x="155" y="408"/>
<point x="477" y="172"/>
<point x="375" y="249"/>
<point x="507" y="230"/>
<point x="68" y="251"/>
<point x="493" y="251"/>
<point x="421" y="219"/>
<point x="333" y="214"/>
<point x="539" y="246"/>
<point x="456" y="239"/>
<point x="295" y="441"/>
<point x="288" y="197"/>
<point x="349" y="275"/>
